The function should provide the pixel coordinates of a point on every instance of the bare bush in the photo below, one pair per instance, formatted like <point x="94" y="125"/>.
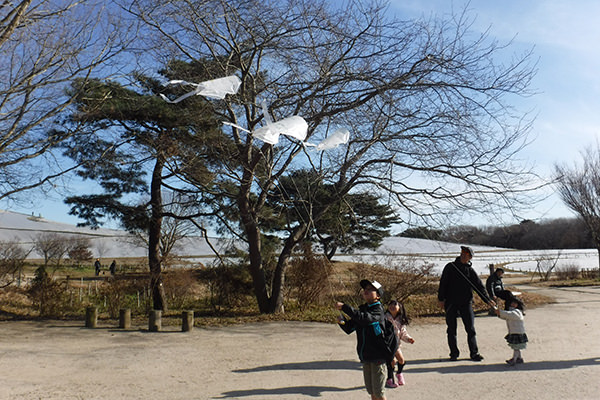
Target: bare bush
<point x="568" y="271"/>
<point x="180" y="285"/>
<point x="308" y="277"/>
<point x="229" y="284"/>
<point x="401" y="278"/>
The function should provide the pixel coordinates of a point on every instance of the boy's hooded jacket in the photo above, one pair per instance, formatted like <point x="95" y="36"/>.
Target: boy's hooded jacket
<point x="366" y="321"/>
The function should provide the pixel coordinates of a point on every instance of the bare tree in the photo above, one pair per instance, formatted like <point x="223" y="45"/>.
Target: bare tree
<point x="44" y="45"/>
<point x="52" y="246"/>
<point x="579" y="188"/>
<point x="426" y="102"/>
<point x="174" y="228"/>
<point x="79" y="250"/>
<point x="546" y="264"/>
<point x="12" y="259"/>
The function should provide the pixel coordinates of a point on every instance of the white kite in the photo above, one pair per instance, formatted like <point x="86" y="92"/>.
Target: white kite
<point x="214" y="89"/>
<point x="340" y="136"/>
<point x="294" y="126"/>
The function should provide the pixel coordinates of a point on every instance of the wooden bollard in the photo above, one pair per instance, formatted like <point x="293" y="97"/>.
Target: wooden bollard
<point x="187" y="323"/>
<point x="154" y="324"/>
<point x="125" y="318"/>
<point x="91" y="317"/>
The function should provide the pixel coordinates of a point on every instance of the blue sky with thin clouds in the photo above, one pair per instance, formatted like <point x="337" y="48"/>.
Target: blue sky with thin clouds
<point x="565" y="37"/>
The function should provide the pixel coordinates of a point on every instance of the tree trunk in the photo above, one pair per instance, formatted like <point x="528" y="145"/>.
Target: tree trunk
<point x="154" y="232"/>
<point x="279" y="277"/>
<point x="259" y="281"/>
<point x="330" y="252"/>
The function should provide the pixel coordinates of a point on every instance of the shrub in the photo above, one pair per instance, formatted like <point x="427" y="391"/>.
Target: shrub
<point x="179" y="285"/>
<point x="50" y="297"/>
<point x="308" y="278"/>
<point x="400" y="278"/>
<point x="229" y="284"/>
<point x="116" y="293"/>
<point x="568" y="271"/>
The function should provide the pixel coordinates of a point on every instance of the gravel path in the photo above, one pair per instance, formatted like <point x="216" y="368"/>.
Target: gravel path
<point x="57" y="360"/>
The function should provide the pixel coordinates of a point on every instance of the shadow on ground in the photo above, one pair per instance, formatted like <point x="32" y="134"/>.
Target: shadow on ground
<point x="454" y="368"/>
<point x="312" y="365"/>
<point x="312" y="391"/>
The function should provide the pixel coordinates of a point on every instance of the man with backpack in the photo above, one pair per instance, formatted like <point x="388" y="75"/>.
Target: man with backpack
<point x="376" y="341"/>
<point x="455" y="295"/>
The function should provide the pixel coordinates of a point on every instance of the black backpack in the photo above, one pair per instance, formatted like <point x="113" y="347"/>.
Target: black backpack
<point x="389" y="340"/>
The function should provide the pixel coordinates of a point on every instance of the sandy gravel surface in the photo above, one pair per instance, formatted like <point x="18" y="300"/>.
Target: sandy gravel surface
<point x="56" y="360"/>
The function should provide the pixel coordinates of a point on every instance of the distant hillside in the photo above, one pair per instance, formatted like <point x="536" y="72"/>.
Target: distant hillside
<point x="106" y="243"/>
<point x="111" y="243"/>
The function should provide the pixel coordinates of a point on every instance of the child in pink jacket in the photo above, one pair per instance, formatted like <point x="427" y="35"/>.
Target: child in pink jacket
<point x="397" y="315"/>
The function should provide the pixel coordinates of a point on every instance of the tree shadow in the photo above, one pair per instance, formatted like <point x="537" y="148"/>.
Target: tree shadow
<point x="312" y="365"/>
<point x="457" y="367"/>
<point x="312" y="391"/>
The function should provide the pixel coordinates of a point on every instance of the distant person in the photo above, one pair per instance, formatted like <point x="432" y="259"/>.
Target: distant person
<point x="513" y="314"/>
<point x="455" y="295"/>
<point x="113" y="267"/>
<point x="495" y="286"/>
<point x="97" y="266"/>
<point x="366" y="322"/>
<point x="396" y="313"/>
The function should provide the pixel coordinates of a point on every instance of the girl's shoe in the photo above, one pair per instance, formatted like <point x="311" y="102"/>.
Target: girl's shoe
<point x="511" y="362"/>
<point x="390" y="384"/>
<point x="400" y="378"/>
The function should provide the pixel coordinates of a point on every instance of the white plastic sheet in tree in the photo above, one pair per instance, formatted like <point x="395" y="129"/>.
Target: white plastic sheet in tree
<point x="294" y="126"/>
<point x="214" y="89"/>
<point x="340" y="136"/>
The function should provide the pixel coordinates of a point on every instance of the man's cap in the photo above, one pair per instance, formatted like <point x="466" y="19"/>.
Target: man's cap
<point x="467" y="249"/>
<point x="365" y="283"/>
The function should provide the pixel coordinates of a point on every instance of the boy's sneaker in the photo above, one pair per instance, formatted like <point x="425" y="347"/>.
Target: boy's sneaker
<point x="400" y="378"/>
<point x="520" y="360"/>
<point x="390" y="384"/>
<point x="511" y="362"/>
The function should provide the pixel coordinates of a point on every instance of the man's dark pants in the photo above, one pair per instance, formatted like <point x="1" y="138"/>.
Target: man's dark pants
<point x="465" y="311"/>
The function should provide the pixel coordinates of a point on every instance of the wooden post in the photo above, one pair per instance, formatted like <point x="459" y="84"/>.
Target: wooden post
<point x="154" y="324"/>
<point x="125" y="318"/>
<point x="187" y="321"/>
<point x="91" y="317"/>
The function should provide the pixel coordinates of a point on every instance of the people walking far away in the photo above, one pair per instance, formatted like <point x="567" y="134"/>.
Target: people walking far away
<point x="455" y="295"/>
<point x="113" y="267"/>
<point x="396" y="313"/>
<point x="495" y="286"/>
<point x="517" y="339"/>
<point x="97" y="266"/>
<point x="366" y="321"/>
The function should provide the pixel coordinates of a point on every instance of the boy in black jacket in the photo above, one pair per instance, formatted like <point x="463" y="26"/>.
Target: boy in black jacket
<point x="366" y="322"/>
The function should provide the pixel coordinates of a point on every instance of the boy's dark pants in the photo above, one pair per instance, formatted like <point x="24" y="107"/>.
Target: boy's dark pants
<point x="465" y="311"/>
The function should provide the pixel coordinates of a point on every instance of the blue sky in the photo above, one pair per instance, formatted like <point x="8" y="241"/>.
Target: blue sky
<point x="565" y="37"/>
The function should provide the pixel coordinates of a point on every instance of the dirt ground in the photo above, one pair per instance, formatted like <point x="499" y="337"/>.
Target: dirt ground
<point x="57" y="360"/>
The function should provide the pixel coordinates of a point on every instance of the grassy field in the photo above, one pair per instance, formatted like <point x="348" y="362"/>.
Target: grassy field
<point x="194" y="289"/>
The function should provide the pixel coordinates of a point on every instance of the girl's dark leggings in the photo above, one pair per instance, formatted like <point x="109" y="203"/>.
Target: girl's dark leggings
<point x="390" y="370"/>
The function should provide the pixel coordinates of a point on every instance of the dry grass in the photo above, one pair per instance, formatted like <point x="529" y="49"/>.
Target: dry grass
<point x="190" y="292"/>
